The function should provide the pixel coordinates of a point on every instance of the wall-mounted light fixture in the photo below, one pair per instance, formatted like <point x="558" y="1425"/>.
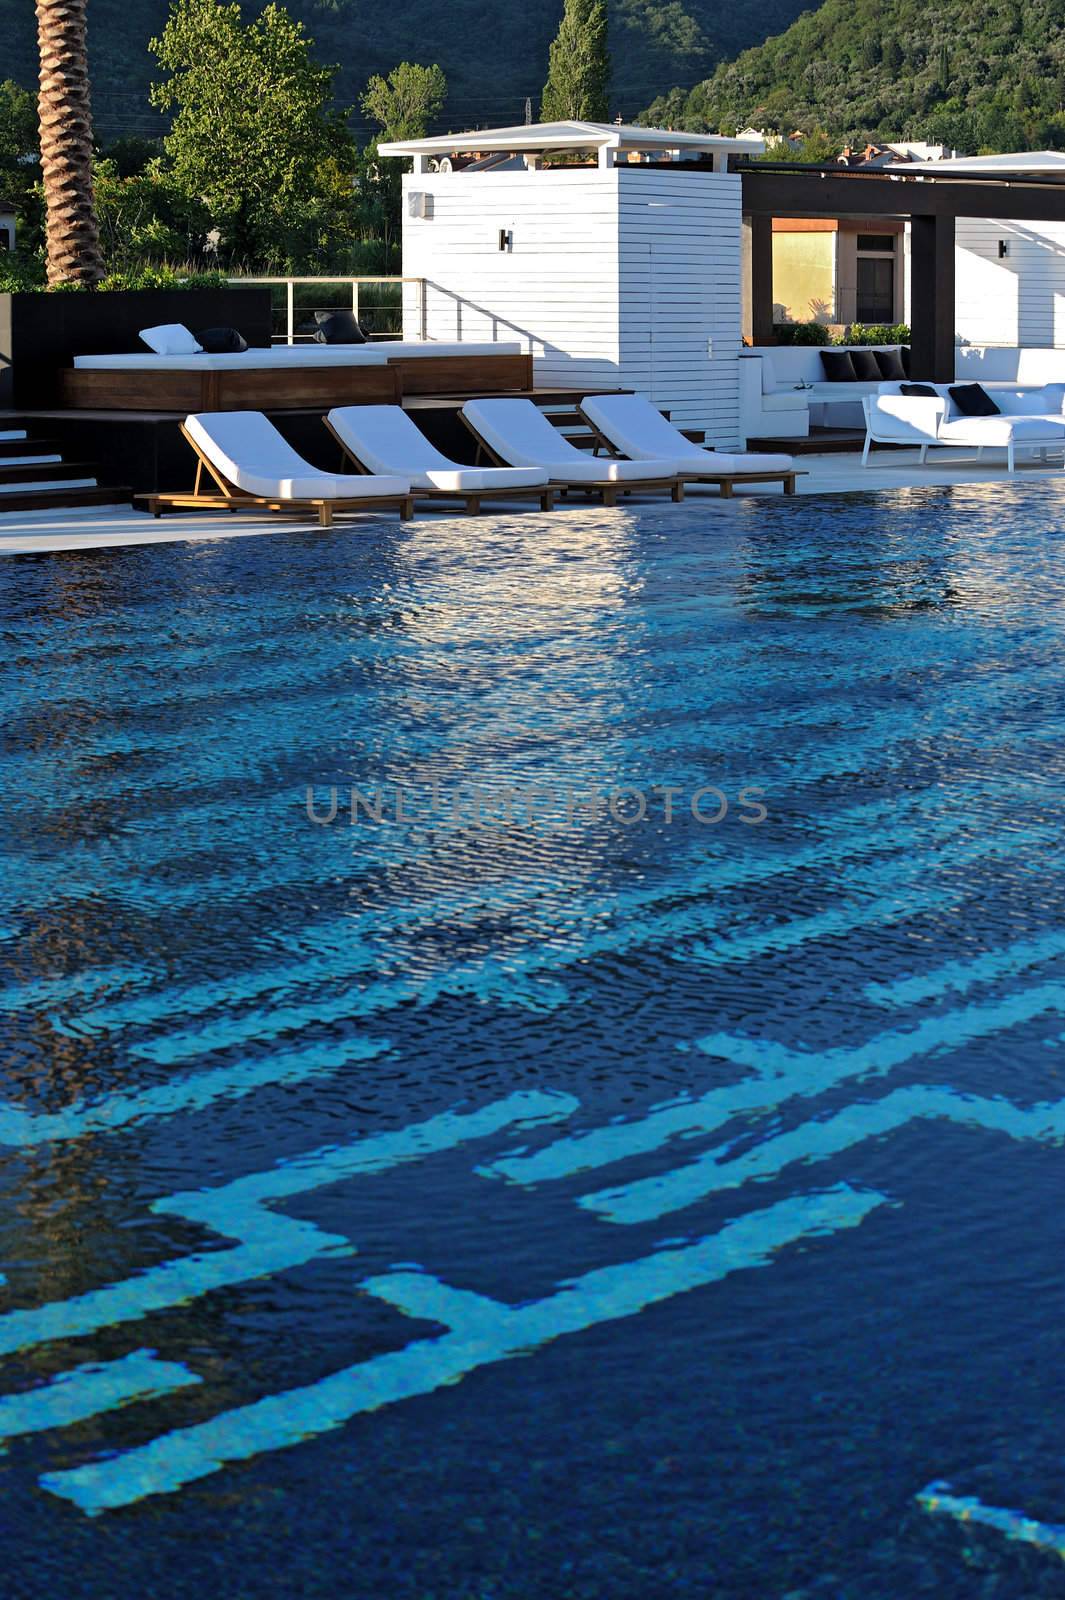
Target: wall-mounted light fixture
<point x="506" y="239"/>
<point x="420" y="205"/>
<point x="1003" y="248"/>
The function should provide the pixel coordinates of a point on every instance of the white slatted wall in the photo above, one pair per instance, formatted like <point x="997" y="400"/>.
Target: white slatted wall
<point x="680" y="252"/>
<point x="614" y="277"/>
<point x="1017" y="299"/>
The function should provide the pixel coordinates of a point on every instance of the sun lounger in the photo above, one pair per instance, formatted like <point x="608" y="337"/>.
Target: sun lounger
<point x="516" y="433"/>
<point x="630" y="424"/>
<point x="385" y="439"/>
<point x="252" y="465"/>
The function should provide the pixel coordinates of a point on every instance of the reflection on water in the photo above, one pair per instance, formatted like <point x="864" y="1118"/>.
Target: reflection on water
<point x="594" y="1204"/>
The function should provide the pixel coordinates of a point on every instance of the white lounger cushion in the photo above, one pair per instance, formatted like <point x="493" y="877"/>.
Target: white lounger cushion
<point x="170" y="339"/>
<point x="311" y="355"/>
<point x="1001" y="430"/>
<point x="249" y="452"/>
<point x="386" y="439"/>
<point x="520" y="433"/>
<point x="638" y="429"/>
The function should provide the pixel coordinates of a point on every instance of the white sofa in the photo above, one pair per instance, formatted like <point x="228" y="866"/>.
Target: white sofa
<point x="783" y="389"/>
<point x="993" y="365"/>
<point x="1030" y="419"/>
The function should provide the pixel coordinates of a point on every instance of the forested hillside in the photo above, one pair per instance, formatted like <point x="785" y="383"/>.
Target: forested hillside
<point x="493" y="54"/>
<point x="984" y="75"/>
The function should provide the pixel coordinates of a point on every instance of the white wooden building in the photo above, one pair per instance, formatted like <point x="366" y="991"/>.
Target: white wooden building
<point x="626" y="272"/>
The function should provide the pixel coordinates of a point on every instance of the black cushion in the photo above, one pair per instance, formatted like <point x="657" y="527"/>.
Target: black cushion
<point x="924" y="389"/>
<point x="866" y="367"/>
<point x="890" y="364"/>
<point x="222" y="341"/>
<point x="904" y="357"/>
<point x="973" y="401"/>
<point x="338" y="327"/>
<point x="839" y="368"/>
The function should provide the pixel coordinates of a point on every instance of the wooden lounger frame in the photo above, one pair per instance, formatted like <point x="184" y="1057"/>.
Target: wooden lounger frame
<point x="471" y="499"/>
<point x="726" y="481"/>
<point x="230" y="498"/>
<point x="607" y="490"/>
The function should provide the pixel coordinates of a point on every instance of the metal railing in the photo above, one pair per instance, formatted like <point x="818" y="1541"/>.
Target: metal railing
<point x="381" y="314"/>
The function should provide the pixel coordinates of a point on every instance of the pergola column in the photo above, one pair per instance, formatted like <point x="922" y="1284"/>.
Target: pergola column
<point x="932" y="297"/>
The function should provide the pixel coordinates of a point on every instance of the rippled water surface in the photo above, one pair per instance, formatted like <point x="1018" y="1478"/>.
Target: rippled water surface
<point x="520" y="1197"/>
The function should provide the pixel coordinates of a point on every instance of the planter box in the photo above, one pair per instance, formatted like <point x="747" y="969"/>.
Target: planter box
<point x="40" y="334"/>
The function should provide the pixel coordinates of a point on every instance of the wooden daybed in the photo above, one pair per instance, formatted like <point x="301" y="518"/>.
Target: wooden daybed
<point x="288" y="377"/>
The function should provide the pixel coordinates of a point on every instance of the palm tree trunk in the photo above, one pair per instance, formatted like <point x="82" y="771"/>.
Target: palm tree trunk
<point x="66" y="144"/>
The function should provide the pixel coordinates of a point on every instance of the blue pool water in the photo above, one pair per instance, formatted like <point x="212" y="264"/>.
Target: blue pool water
<point x="549" y="1190"/>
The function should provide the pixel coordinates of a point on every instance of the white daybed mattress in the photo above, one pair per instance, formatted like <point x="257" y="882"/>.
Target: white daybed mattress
<point x="290" y="355"/>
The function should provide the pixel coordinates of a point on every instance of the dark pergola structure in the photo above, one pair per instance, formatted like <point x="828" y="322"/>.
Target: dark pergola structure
<point x="929" y="202"/>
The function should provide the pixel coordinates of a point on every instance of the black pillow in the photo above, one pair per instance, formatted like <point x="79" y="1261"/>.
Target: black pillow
<point x="222" y="341"/>
<point x="924" y="389"/>
<point x="890" y="364"/>
<point x="338" y="327"/>
<point x="904" y="357"/>
<point x="866" y="367"/>
<point x="839" y="368"/>
<point x="973" y="401"/>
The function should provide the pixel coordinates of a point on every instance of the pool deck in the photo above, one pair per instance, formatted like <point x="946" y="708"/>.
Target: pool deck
<point x="99" y="527"/>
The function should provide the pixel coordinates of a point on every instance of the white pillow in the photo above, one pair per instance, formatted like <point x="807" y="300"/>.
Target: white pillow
<point x="769" y="376"/>
<point x="171" y="339"/>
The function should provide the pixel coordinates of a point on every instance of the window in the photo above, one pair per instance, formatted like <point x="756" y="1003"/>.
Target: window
<point x="876" y="289"/>
<point x="883" y="242"/>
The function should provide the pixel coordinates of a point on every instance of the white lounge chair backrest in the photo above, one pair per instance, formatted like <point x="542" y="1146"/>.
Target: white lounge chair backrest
<point x="636" y="427"/>
<point x="385" y="439"/>
<point x="247" y="450"/>
<point x="520" y="434"/>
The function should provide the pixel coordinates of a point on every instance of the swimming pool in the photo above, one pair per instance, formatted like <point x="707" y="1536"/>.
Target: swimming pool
<point x="622" y="1158"/>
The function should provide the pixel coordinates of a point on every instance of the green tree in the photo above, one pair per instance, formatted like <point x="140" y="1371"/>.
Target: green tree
<point x="20" y="162"/>
<point x="405" y="103"/>
<point x="578" y="66"/>
<point x="253" y="124"/>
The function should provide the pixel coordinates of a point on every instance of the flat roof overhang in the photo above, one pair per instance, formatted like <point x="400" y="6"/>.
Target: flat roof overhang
<point x="929" y="202"/>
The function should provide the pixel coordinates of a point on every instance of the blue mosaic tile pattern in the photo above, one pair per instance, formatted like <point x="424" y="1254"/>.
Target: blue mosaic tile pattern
<point x="522" y="1195"/>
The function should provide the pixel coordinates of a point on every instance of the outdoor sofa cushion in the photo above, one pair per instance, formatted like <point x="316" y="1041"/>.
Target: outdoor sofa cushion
<point x="890" y="364"/>
<point x="219" y="341"/>
<point x="338" y="327"/>
<point x="170" y="339"/>
<point x="838" y="366"/>
<point x="866" y="366"/>
<point x="973" y="401"/>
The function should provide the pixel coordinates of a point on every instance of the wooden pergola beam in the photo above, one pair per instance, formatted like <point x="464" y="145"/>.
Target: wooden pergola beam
<point x="931" y="205"/>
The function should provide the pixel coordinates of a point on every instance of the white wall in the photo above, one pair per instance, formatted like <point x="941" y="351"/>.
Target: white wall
<point x="1018" y="299"/>
<point x="615" y="277"/>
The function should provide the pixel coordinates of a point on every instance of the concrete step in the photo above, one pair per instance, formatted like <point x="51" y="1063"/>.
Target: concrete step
<point x="63" y="497"/>
<point x="42" y="481"/>
<point x="21" y="447"/>
<point x="55" y="471"/>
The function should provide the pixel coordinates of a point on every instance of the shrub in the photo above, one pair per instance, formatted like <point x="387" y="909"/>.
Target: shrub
<point x="28" y="274"/>
<point x="800" y="333"/>
<point x="876" y="333"/>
